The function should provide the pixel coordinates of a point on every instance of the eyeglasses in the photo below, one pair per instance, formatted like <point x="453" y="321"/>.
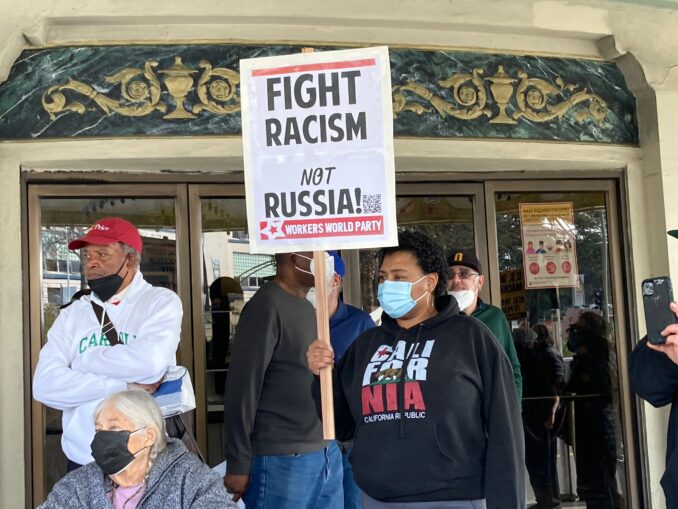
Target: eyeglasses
<point x="463" y="274"/>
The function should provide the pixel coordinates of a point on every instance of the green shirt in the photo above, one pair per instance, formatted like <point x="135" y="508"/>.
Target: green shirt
<point x="495" y="320"/>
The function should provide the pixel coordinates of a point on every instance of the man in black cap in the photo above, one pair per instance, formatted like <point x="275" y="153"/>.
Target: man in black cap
<point x="653" y="371"/>
<point x="465" y="279"/>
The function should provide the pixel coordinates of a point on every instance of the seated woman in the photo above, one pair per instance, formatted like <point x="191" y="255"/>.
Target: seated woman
<point x="136" y="465"/>
<point x="428" y="396"/>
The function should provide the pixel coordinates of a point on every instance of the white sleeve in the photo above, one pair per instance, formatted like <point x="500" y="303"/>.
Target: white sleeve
<point x="57" y="385"/>
<point x="145" y="359"/>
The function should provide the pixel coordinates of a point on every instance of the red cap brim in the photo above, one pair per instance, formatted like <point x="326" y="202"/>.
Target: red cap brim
<point x="90" y="239"/>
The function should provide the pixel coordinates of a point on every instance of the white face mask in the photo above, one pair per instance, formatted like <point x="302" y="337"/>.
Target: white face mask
<point x="329" y="265"/>
<point x="464" y="297"/>
<point x="310" y="296"/>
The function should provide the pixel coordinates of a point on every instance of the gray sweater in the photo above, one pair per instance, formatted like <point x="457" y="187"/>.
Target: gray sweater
<point x="269" y="407"/>
<point x="178" y="479"/>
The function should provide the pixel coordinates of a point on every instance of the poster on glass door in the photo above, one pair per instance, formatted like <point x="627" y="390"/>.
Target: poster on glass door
<point x="318" y="150"/>
<point x="549" y="247"/>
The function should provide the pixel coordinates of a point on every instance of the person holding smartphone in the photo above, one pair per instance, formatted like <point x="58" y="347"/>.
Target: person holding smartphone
<point x="653" y="371"/>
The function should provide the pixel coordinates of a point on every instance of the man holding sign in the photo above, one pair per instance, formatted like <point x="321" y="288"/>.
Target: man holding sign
<point x="276" y="455"/>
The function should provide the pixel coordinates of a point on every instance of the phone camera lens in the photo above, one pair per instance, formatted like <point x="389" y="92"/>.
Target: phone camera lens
<point x="648" y="288"/>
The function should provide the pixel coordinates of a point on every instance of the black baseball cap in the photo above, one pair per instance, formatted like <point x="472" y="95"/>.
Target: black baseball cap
<point x="466" y="259"/>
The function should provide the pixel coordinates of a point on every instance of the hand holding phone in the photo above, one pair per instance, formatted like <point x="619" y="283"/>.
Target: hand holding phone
<point x="657" y="295"/>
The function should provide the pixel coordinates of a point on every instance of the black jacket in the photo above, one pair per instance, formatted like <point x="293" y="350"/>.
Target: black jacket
<point x="654" y="377"/>
<point x="461" y="438"/>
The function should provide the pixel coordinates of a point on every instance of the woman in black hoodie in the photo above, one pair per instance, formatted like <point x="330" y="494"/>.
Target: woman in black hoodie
<point x="446" y="434"/>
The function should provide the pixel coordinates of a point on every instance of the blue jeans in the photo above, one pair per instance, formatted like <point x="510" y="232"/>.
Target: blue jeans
<point x="297" y="481"/>
<point x="352" y="495"/>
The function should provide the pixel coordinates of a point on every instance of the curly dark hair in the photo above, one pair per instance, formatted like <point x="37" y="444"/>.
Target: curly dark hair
<point x="593" y="323"/>
<point x="426" y="250"/>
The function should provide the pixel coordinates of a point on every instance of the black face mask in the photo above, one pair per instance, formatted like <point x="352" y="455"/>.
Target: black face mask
<point x="575" y="340"/>
<point x="107" y="286"/>
<point x="109" y="450"/>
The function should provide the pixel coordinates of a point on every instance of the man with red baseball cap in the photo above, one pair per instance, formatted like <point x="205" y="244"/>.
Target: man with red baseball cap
<point x="121" y="334"/>
<point x="111" y="242"/>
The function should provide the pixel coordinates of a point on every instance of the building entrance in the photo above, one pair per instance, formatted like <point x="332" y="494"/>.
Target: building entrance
<point x="550" y="250"/>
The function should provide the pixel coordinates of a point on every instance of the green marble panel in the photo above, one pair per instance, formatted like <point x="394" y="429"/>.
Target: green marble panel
<point x="562" y="99"/>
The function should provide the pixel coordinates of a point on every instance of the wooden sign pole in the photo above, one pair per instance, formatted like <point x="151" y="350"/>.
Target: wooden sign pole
<point x="323" y="328"/>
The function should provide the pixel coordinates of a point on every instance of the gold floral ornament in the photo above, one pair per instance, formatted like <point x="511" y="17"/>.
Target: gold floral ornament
<point x="532" y="97"/>
<point x="217" y="90"/>
<point x="467" y="89"/>
<point x="140" y="92"/>
<point x="536" y="99"/>
<point x="140" y="97"/>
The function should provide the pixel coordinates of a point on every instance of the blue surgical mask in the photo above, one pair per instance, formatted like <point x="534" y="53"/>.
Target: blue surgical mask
<point x="396" y="297"/>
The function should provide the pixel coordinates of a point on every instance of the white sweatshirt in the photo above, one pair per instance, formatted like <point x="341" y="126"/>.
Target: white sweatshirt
<point x="77" y="367"/>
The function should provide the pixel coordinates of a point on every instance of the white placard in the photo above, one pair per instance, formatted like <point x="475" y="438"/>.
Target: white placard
<point x="317" y="134"/>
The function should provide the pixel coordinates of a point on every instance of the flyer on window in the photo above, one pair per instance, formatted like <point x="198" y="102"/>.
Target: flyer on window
<point x="549" y="247"/>
<point x="318" y="150"/>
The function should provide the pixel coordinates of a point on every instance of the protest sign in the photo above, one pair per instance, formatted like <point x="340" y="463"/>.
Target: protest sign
<point x="318" y="151"/>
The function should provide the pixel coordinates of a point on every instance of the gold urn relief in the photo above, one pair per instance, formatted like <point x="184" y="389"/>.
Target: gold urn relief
<point x="501" y="85"/>
<point x="179" y="81"/>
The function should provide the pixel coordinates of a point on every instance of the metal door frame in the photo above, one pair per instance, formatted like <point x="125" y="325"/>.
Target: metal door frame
<point x="196" y="192"/>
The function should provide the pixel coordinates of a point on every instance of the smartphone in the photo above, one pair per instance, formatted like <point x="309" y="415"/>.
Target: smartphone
<point x="657" y="295"/>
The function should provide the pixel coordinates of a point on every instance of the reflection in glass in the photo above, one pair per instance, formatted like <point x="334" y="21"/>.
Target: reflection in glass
<point x="589" y="450"/>
<point x="231" y="275"/>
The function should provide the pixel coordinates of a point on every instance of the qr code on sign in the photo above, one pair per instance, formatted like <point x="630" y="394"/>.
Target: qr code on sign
<point x="371" y="203"/>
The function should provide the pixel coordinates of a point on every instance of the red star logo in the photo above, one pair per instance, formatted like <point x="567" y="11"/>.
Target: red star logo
<point x="274" y="229"/>
<point x="383" y="351"/>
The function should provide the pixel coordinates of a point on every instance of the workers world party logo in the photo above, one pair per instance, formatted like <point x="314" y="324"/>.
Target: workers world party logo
<point x="385" y="372"/>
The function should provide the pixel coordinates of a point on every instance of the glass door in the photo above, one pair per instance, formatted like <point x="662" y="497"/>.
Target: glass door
<point x="58" y="214"/>
<point x="225" y="275"/>
<point x="557" y="273"/>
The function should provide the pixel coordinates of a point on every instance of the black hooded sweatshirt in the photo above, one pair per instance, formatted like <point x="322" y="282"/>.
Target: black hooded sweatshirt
<point x="654" y="377"/>
<point x="450" y="430"/>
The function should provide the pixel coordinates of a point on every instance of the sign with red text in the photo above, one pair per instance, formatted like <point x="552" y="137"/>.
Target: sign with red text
<point x="549" y="247"/>
<point x="317" y="134"/>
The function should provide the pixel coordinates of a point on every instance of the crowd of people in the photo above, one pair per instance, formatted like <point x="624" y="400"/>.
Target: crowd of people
<point x="440" y="406"/>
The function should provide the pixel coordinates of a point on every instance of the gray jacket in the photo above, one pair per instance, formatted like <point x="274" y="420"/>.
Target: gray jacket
<point x="178" y="479"/>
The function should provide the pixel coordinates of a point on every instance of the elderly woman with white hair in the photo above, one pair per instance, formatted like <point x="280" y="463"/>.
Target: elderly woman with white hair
<point x="136" y="466"/>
